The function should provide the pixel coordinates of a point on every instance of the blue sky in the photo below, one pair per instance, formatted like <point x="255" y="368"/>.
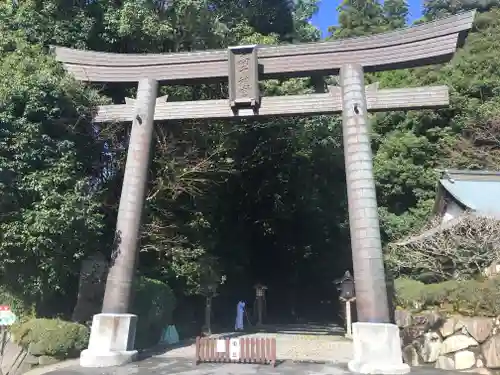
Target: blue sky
<point x="327" y="14"/>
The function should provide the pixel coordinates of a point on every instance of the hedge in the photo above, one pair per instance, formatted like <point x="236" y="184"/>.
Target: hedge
<point x="51" y="337"/>
<point x="154" y="304"/>
<point x="468" y="297"/>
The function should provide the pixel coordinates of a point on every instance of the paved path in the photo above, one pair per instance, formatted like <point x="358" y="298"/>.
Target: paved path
<point x="298" y="343"/>
<point x="164" y="366"/>
<point x="294" y="344"/>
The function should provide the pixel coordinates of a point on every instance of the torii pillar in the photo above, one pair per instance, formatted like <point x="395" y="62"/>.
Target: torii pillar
<point x="112" y="337"/>
<point x="376" y="342"/>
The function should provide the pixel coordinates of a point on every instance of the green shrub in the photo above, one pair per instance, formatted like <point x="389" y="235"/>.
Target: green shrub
<point x="441" y="293"/>
<point x="154" y="303"/>
<point x="435" y="294"/>
<point x="20" y="307"/>
<point x="408" y="293"/>
<point x="490" y="296"/>
<point x="469" y="297"/>
<point x="51" y="337"/>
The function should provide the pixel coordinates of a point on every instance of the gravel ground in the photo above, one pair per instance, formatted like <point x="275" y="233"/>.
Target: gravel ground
<point x="304" y="346"/>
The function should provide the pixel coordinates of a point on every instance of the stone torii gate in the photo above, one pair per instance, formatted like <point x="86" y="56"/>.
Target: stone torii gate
<point x="376" y="341"/>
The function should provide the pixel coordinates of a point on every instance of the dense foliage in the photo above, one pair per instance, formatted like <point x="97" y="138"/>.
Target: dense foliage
<point x="47" y="160"/>
<point x="153" y="303"/>
<point x="265" y="200"/>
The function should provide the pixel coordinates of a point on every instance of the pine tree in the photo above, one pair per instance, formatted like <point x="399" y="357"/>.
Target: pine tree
<point x="357" y="18"/>
<point x="434" y="9"/>
<point x="395" y="13"/>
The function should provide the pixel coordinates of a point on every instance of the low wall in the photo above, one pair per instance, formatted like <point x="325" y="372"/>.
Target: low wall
<point x="470" y="344"/>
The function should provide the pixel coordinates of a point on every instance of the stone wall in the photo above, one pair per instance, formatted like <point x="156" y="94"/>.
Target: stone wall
<point x="450" y="342"/>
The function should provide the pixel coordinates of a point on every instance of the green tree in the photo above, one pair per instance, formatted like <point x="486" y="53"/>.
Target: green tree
<point x="395" y="13"/>
<point x="357" y="18"/>
<point x="257" y="196"/>
<point x="49" y="170"/>
<point x="464" y="136"/>
<point x="441" y="8"/>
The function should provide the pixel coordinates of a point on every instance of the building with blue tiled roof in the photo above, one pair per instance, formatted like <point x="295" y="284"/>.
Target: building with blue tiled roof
<point x="467" y="190"/>
<point x="460" y="192"/>
<point x="465" y="200"/>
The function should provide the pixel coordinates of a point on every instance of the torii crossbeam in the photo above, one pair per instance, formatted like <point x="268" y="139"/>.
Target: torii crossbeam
<point x="293" y="105"/>
<point x="376" y="341"/>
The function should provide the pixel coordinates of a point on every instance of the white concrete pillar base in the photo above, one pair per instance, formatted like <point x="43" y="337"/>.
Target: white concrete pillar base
<point x="111" y="343"/>
<point x="106" y="359"/>
<point x="377" y="349"/>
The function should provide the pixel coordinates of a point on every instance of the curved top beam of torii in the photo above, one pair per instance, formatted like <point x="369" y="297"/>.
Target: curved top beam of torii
<point x="429" y="43"/>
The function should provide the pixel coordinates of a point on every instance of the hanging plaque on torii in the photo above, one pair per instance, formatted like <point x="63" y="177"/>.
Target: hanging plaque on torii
<point x="242" y="67"/>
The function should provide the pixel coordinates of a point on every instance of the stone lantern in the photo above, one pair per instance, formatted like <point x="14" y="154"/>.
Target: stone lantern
<point x="348" y="296"/>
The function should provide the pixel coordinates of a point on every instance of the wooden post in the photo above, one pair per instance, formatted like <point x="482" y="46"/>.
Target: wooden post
<point x="260" y="291"/>
<point x="348" y="317"/>
<point x="366" y="246"/>
<point x="259" y="311"/>
<point x="208" y="315"/>
<point x="125" y="251"/>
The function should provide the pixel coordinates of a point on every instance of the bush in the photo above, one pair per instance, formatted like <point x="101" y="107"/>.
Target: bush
<point x="408" y="293"/>
<point x="51" y="337"/>
<point x="490" y="294"/>
<point x="153" y="303"/>
<point x="441" y="293"/>
<point x="468" y="297"/>
<point x="20" y="307"/>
